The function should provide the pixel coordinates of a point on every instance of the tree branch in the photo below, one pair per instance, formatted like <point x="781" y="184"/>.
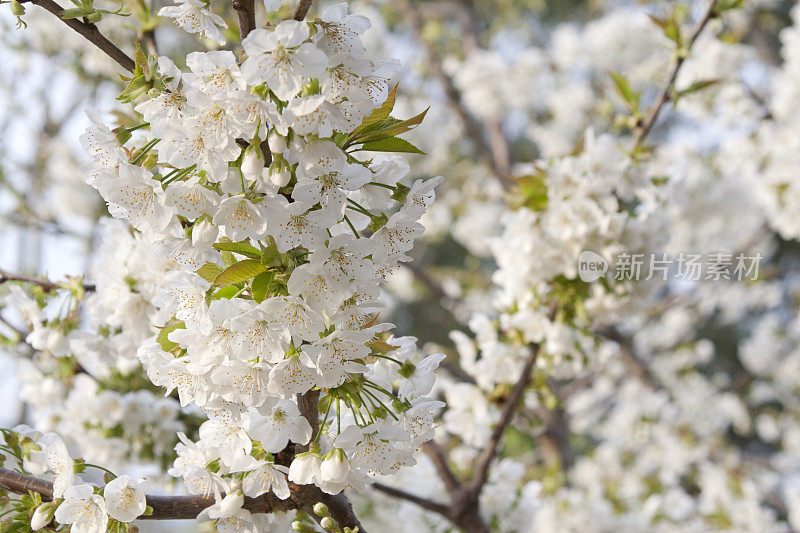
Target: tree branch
<point x="632" y="362"/>
<point x="497" y="158"/>
<point x="188" y="507"/>
<point x="164" y="507"/>
<point x="491" y="449"/>
<point x="425" y="503"/>
<point x="246" y="11"/>
<point x="149" y="38"/>
<point x="302" y="9"/>
<point x="90" y="32"/>
<point x="666" y="92"/>
<point x="45" y="284"/>
<point x="436" y="455"/>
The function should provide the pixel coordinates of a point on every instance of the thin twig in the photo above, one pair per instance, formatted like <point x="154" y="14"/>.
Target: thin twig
<point x="90" y="32"/>
<point x="632" y="363"/>
<point x="425" y="503"/>
<point x="666" y="92"/>
<point x="45" y="284"/>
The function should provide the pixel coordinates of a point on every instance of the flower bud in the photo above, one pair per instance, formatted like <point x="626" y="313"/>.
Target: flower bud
<point x="327" y="523"/>
<point x="252" y="164"/>
<point x="43" y="515"/>
<point x="320" y="509"/>
<point x="280" y="176"/>
<point x="277" y="143"/>
<point x="301" y="527"/>
<point x="335" y="467"/>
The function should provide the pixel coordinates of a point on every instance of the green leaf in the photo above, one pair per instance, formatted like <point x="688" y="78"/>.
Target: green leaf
<point x="225" y="292"/>
<point x="261" y="284"/>
<point x="241" y="248"/>
<point x="393" y="129"/>
<point x="623" y="86"/>
<point x="162" y="339"/>
<point x="625" y="90"/>
<point x="392" y="144"/>
<point x="209" y="271"/>
<point x="238" y="272"/>
<point x="73" y="13"/>
<point x="725" y="5"/>
<point x="694" y="87"/>
<point x="380" y="114"/>
<point x="670" y="26"/>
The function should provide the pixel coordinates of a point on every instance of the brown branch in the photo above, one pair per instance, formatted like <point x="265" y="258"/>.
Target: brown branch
<point x="437" y="456"/>
<point x="246" y="11"/>
<point x="666" y="92"/>
<point x="45" y="284"/>
<point x="632" y="362"/>
<point x="425" y="503"/>
<point x="149" y="38"/>
<point x="500" y="149"/>
<point x="188" y="507"/>
<point x="495" y="155"/>
<point x="164" y="507"/>
<point x="308" y="404"/>
<point x="492" y="447"/>
<point x="90" y="32"/>
<point x="302" y="9"/>
<point x="339" y="506"/>
<point x="464" y="508"/>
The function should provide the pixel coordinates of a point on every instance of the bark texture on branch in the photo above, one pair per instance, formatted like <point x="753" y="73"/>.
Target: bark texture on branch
<point x="302" y="9"/>
<point x="246" y="12"/>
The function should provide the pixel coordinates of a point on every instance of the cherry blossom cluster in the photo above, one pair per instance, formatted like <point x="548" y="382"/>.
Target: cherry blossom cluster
<point x="247" y="183"/>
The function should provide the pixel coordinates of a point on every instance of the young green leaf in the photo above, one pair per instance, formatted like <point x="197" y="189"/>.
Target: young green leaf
<point x="209" y="271"/>
<point x="261" y="284"/>
<point x="379" y="114"/>
<point x="392" y="144"/>
<point x="241" y="248"/>
<point x="238" y="272"/>
<point x="162" y="338"/>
